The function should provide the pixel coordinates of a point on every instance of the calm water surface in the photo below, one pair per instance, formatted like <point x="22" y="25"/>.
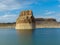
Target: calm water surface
<point x="43" y="36"/>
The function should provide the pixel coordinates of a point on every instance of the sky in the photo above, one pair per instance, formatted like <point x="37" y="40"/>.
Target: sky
<point x="10" y="9"/>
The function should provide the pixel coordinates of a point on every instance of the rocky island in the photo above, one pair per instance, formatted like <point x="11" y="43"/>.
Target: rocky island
<point x="26" y="20"/>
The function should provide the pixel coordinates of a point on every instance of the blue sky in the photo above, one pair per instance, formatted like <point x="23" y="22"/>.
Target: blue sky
<point x="10" y="9"/>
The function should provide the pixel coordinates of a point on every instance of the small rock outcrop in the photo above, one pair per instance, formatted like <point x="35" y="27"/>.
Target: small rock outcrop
<point x="51" y="19"/>
<point x="25" y="20"/>
<point x="42" y="19"/>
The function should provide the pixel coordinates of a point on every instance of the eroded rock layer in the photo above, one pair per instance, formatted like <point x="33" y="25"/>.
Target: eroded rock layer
<point x="25" y="20"/>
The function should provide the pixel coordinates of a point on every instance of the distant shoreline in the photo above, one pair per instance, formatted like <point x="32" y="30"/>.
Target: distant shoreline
<point x="40" y="23"/>
<point x="7" y="25"/>
<point x="37" y="26"/>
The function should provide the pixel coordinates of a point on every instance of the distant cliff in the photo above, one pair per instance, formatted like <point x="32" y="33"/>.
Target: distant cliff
<point x="47" y="23"/>
<point x="42" y="19"/>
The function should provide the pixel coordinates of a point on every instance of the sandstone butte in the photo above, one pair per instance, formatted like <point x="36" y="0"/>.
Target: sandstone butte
<point x="25" y="20"/>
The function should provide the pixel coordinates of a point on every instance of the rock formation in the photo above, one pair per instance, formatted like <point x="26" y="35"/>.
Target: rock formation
<point x="25" y="20"/>
<point x="42" y="19"/>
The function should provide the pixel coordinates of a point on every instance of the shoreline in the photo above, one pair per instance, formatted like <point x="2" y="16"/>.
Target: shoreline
<point x="37" y="26"/>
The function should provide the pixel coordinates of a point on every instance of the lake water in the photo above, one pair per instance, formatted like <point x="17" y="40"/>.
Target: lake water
<point x="43" y="36"/>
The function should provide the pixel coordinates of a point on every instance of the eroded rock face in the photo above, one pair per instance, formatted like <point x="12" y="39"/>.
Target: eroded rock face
<point x="25" y="20"/>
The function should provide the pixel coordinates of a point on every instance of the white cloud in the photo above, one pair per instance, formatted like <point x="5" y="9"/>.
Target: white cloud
<point x="49" y="12"/>
<point x="9" y="5"/>
<point x="13" y="4"/>
<point x="8" y="18"/>
<point x="58" y="5"/>
<point x="58" y="0"/>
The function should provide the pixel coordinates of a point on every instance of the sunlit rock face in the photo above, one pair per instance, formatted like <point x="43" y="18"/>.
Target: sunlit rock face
<point x="25" y="20"/>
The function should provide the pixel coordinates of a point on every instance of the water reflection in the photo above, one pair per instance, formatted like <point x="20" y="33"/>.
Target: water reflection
<point x="25" y="37"/>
